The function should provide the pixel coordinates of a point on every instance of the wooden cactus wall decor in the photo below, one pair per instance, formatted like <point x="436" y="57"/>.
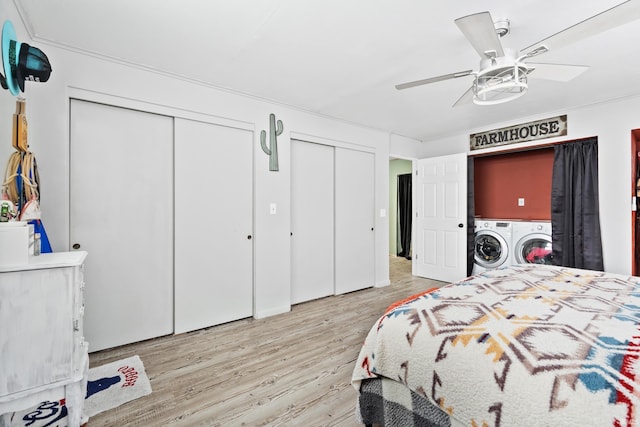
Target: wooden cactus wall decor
<point x="275" y="129"/>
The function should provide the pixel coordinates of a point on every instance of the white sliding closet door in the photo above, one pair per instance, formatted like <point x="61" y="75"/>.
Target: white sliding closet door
<point x="354" y="220"/>
<point x="311" y="221"/>
<point x="121" y="212"/>
<point x="214" y="223"/>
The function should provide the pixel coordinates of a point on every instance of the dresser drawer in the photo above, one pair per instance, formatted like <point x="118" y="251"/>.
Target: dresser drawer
<point x="37" y="317"/>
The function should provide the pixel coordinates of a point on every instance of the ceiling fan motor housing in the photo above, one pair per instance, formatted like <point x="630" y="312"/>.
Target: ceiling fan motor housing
<point x="500" y="79"/>
<point x="503" y="26"/>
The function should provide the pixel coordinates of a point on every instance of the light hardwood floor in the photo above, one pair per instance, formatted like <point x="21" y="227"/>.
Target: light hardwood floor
<point x="292" y="369"/>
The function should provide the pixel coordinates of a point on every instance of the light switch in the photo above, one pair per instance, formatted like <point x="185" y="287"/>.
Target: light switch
<point x="272" y="208"/>
<point x="521" y="201"/>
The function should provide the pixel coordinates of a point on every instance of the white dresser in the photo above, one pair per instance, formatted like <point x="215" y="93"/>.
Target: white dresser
<point x="43" y="355"/>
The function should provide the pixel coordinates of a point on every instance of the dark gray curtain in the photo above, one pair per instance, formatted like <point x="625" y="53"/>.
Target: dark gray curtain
<point x="575" y="217"/>
<point x="404" y="215"/>
<point x="471" y="222"/>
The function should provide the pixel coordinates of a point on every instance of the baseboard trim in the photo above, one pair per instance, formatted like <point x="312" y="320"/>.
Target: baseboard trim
<point x="271" y="312"/>
<point x="382" y="284"/>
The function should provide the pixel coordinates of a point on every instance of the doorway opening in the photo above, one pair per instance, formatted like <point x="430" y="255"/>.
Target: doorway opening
<point x="404" y="214"/>
<point x="635" y="193"/>
<point x="398" y="168"/>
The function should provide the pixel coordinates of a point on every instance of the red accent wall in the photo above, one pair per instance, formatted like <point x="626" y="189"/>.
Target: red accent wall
<point x="635" y="231"/>
<point x="500" y="180"/>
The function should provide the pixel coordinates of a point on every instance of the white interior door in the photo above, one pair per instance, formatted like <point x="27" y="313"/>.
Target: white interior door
<point x="440" y="210"/>
<point x="214" y="223"/>
<point x="312" y="272"/>
<point x="354" y="220"/>
<point x="121" y="213"/>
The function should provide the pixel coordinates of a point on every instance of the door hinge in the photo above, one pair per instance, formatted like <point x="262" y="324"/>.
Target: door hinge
<point x="416" y="256"/>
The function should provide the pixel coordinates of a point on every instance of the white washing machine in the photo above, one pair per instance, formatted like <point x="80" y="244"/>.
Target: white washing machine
<point x="531" y="242"/>
<point x="492" y="247"/>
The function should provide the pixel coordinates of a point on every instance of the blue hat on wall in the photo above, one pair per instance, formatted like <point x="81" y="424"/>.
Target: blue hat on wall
<point x="21" y="62"/>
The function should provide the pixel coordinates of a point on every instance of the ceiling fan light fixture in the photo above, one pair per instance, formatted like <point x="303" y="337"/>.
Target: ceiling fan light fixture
<point x="500" y="84"/>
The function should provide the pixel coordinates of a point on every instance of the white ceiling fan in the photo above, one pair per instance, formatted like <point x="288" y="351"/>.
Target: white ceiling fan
<point x="502" y="74"/>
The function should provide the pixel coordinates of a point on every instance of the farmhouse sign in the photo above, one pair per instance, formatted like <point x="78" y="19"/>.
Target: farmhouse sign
<point x="540" y="129"/>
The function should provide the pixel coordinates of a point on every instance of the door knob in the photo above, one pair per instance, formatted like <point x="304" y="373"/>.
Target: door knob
<point x="76" y="246"/>
<point x="249" y="237"/>
<point x="460" y="225"/>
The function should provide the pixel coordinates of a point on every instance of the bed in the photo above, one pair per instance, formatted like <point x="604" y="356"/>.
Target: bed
<point x="522" y="345"/>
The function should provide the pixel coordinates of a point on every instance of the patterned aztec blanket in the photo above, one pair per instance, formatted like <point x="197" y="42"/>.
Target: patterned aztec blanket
<point x="524" y="345"/>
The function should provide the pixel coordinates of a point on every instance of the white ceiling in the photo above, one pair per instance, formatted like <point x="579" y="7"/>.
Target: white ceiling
<point x="342" y="58"/>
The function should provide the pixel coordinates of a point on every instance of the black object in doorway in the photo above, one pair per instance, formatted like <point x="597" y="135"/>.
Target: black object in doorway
<point x="575" y="214"/>
<point x="471" y="216"/>
<point x="404" y="215"/>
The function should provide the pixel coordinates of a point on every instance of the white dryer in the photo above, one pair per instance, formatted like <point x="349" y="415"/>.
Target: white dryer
<point x="492" y="247"/>
<point x="532" y="242"/>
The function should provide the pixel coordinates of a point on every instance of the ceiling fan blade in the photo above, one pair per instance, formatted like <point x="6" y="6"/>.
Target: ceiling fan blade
<point x="466" y="98"/>
<point x="557" y="72"/>
<point x="433" y="79"/>
<point x="481" y="33"/>
<point x="610" y="18"/>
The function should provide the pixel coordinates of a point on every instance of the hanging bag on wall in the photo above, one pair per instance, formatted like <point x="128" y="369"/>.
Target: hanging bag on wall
<point x="22" y="181"/>
<point x="21" y="178"/>
<point x="20" y="140"/>
<point x="22" y="187"/>
<point x="12" y="183"/>
<point x="30" y="209"/>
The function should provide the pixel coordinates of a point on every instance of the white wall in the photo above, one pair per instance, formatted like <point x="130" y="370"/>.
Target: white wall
<point x="91" y="78"/>
<point x="612" y="124"/>
<point x="401" y="147"/>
